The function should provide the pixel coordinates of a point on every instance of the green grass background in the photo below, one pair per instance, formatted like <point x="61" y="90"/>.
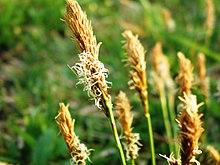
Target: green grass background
<point x="35" y="48"/>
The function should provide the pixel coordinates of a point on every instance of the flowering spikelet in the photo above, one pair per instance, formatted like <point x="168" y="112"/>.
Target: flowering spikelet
<point x="92" y="75"/>
<point x="161" y="66"/>
<point x="190" y="129"/>
<point x="79" y="151"/>
<point x="81" y="27"/>
<point x="213" y="156"/>
<point x="123" y="110"/>
<point x="185" y="77"/>
<point x="91" y="71"/>
<point x="210" y="18"/>
<point x="203" y="80"/>
<point x="136" y="59"/>
<point x="171" y="160"/>
<point x="170" y="23"/>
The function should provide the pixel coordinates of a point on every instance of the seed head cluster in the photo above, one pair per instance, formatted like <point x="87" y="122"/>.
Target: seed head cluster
<point x="123" y="110"/>
<point x="79" y="151"/>
<point x="190" y="125"/>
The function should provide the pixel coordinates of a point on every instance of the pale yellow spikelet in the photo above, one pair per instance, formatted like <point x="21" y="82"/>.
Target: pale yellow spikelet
<point x="79" y="151"/>
<point x="185" y="76"/>
<point x="123" y="110"/>
<point x="190" y="125"/>
<point x="170" y="23"/>
<point x="81" y="27"/>
<point x="210" y="17"/>
<point x="136" y="60"/>
<point x="213" y="155"/>
<point x="161" y="66"/>
<point x="203" y="79"/>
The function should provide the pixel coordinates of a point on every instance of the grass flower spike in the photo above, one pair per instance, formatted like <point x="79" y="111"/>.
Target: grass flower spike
<point x="203" y="79"/>
<point x="76" y="20"/>
<point x="91" y="72"/>
<point x="137" y="63"/>
<point x="185" y="77"/>
<point x="136" y="59"/>
<point x="190" y="129"/>
<point x="123" y="110"/>
<point x="79" y="151"/>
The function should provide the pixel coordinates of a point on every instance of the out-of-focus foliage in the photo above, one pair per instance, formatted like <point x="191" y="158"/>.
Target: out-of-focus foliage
<point x="35" y="48"/>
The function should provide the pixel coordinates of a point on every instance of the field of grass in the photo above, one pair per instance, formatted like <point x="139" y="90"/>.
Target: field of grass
<point x="36" y="47"/>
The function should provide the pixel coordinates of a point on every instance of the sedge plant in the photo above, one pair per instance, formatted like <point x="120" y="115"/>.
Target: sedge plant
<point x="137" y="63"/>
<point x="90" y="71"/>
<point x="165" y="84"/>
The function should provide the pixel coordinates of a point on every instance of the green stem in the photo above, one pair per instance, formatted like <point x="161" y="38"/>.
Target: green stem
<point x="147" y="115"/>
<point x="173" y="117"/>
<point x="132" y="162"/>
<point x="114" y="129"/>
<point x="166" y="119"/>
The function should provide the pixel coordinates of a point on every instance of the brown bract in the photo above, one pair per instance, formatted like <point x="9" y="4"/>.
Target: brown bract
<point x="136" y="60"/>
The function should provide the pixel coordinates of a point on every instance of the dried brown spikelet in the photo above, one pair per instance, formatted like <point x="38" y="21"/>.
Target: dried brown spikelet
<point x="123" y="110"/>
<point x="136" y="60"/>
<point x="185" y="76"/>
<point x="190" y="125"/>
<point x="203" y="80"/>
<point x="81" y="27"/>
<point x="79" y="151"/>
<point x="210" y="18"/>
<point x="161" y="66"/>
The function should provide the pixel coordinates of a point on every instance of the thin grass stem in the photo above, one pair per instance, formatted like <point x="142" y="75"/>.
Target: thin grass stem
<point x="173" y="119"/>
<point x="132" y="162"/>
<point x="114" y="129"/>
<point x="166" y="119"/>
<point x="147" y="115"/>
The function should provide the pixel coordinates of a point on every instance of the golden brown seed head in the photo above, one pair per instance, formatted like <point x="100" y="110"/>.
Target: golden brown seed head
<point x="125" y="117"/>
<point x="190" y="128"/>
<point x="185" y="76"/>
<point x="76" y="20"/>
<point x="92" y="73"/>
<point x="123" y="110"/>
<point x="79" y="151"/>
<point x="136" y="60"/>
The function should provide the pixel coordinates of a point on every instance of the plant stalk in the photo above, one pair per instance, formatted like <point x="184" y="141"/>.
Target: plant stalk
<point x="150" y="130"/>
<point x="114" y="129"/>
<point x="147" y="115"/>
<point x="166" y="118"/>
<point x="132" y="162"/>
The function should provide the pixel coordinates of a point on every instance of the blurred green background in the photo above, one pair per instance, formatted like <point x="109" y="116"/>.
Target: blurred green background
<point x="35" y="48"/>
